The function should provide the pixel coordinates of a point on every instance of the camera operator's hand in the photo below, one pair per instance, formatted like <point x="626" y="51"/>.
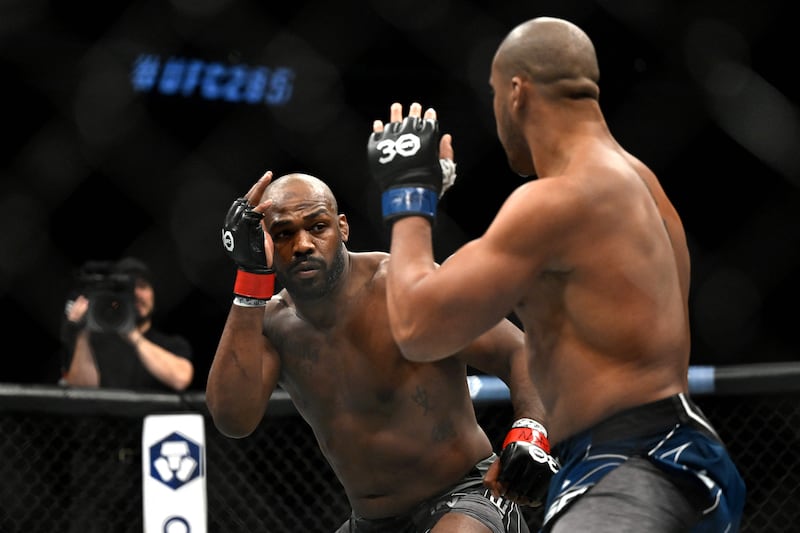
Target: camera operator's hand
<point x="134" y="337"/>
<point x="76" y="309"/>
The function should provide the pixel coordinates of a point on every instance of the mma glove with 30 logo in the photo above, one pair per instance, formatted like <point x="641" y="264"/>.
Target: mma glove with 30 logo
<point x="243" y="241"/>
<point x="404" y="161"/>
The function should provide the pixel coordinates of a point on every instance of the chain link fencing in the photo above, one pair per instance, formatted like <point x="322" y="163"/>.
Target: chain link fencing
<point x="71" y="462"/>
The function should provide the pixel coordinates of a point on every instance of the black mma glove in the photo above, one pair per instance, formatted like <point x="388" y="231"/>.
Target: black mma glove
<point x="404" y="161"/>
<point x="243" y="240"/>
<point x="526" y="465"/>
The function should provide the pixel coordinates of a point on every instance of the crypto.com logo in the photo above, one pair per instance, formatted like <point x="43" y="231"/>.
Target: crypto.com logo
<point x="175" y="460"/>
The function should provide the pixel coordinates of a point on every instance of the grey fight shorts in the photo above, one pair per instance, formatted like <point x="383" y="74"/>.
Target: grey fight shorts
<point x="469" y="497"/>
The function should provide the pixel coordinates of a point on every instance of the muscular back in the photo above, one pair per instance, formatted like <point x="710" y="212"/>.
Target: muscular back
<point x="394" y="431"/>
<point x="606" y="314"/>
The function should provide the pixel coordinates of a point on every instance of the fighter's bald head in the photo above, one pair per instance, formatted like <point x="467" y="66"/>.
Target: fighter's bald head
<point x="548" y="51"/>
<point x="291" y="187"/>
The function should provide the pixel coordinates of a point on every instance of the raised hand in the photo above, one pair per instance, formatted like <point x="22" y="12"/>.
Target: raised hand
<point x="249" y="246"/>
<point x="404" y="159"/>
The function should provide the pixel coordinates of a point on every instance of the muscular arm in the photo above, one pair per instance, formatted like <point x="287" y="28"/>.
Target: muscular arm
<point x="523" y="470"/>
<point x="437" y="311"/>
<point x="243" y="375"/>
<point x="434" y="312"/>
<point x="501" y="352"/>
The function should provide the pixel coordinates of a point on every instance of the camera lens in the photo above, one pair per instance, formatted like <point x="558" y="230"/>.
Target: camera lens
<point x="110" y="296"/>
<point x="111" y="311"/>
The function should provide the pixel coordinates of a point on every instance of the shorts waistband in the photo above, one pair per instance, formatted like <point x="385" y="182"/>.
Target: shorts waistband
<point x="651" y="418"/>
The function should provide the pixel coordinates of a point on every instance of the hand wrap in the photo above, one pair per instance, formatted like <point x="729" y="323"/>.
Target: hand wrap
<point x="404" y="161"/>
<point x="243" y="240"/>
<point x="526" y="463"/>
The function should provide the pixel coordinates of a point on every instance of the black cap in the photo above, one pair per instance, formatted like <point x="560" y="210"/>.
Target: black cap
<point x="134" y="267"/>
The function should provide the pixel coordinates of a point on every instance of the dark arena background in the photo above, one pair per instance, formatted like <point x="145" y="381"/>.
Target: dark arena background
<point x="130" y="126"/>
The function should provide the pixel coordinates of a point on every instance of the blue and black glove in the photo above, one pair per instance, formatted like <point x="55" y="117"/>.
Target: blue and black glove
<point x="404" y="161"/>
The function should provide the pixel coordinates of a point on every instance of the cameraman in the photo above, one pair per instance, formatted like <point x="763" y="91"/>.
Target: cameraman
<point x="111" y="342"/>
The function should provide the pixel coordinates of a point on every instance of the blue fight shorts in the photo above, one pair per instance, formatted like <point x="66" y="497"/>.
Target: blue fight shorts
<point x="468" y="497"/>
<point x="672" y="434"/>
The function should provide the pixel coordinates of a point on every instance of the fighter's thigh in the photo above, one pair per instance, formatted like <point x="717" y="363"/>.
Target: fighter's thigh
<point x="459" y="523"/>
<point x="636" y="496"/>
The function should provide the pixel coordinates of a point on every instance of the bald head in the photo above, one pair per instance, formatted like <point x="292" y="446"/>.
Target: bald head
<point x="298" y="187"/>
<point x="547" y="51"/>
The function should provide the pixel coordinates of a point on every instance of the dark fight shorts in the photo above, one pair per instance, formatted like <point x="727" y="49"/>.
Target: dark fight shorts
<point x="673" y="435"/>
<point x="468" y="497"/>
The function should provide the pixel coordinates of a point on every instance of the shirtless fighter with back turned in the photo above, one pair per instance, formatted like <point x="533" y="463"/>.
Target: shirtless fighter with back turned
<point x="592" y="257"/>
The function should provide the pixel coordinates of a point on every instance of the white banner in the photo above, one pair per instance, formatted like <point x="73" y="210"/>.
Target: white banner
<point x="174" y="474"/>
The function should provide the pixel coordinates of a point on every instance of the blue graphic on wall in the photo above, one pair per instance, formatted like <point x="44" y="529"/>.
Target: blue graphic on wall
<point x="175" y="460"/>
<point x="186" y="77"/>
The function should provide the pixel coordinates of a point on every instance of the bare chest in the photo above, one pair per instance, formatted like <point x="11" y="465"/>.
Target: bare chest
<point x="350" y="365"/>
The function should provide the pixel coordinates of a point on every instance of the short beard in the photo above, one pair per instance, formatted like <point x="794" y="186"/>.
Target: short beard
<point x="334" y="271"/>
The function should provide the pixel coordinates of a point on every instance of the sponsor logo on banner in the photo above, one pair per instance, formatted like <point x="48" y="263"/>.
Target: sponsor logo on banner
<point x="175" y="460"/>
<point x="174" y="473"/>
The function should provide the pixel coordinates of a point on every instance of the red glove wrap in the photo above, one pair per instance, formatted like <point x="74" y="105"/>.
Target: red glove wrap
<point x="528" y="434"/>
<point x="250" y="285"/>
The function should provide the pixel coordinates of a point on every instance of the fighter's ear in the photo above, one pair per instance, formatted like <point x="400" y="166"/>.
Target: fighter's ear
<point x="518" y="93"/>
<point x="344" y="227"/>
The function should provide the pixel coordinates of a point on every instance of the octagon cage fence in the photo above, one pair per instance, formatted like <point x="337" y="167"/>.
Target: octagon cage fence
<point x="71" y="458"/>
